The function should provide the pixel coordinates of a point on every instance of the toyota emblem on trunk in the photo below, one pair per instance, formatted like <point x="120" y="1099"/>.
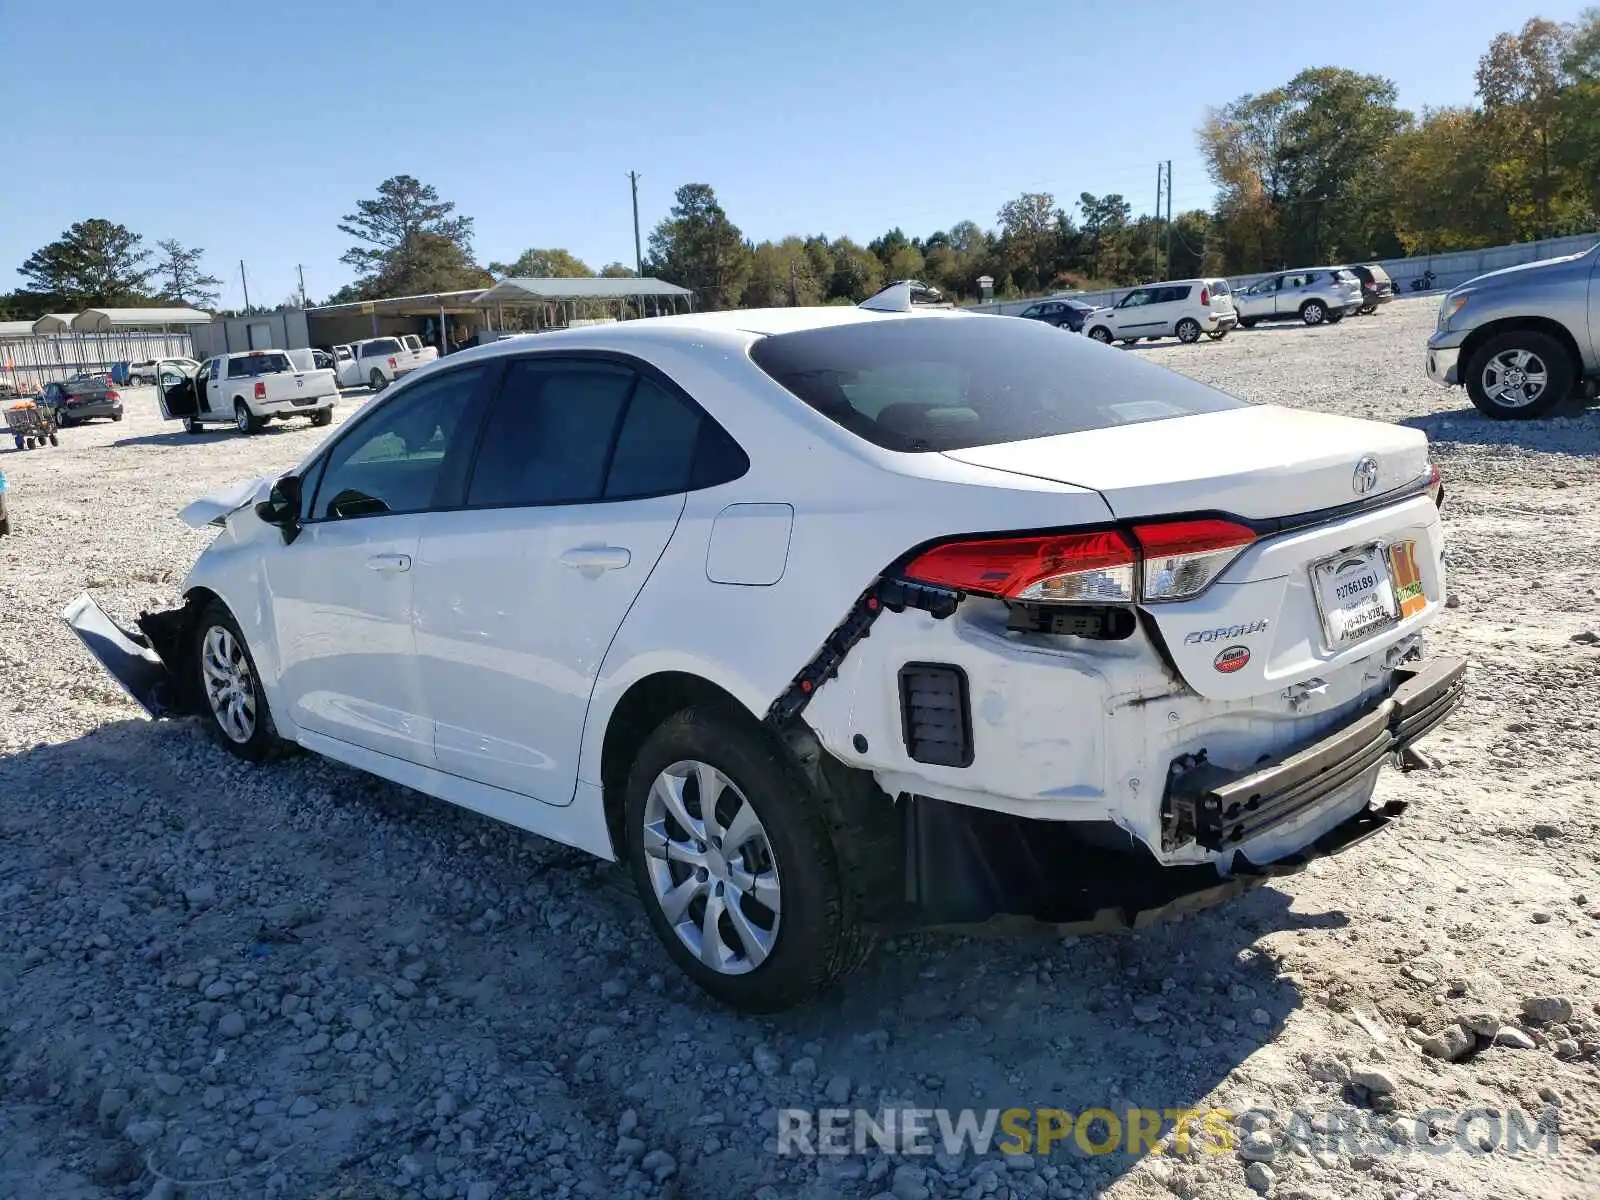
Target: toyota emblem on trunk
<point x="1366" y="476"/>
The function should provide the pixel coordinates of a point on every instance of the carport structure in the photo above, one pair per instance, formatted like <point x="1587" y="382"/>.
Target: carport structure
<point x="555" y="302"/>
<point x="97" y="339"/>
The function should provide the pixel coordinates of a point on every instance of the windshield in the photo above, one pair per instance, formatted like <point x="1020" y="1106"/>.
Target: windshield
<point x="928" y="384"/>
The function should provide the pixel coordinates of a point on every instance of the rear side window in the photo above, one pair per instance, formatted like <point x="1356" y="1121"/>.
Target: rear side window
<point x="1219" y="287"/>
<point x="947" y="383"/>
<point x="254" y="365"/>
<point x="549" y="436"/>
<point x="1170" y="295"/>
<point x="655" y="447"/>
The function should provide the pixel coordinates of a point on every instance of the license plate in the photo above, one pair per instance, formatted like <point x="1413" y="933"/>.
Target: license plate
<point x="1355" y="595"/>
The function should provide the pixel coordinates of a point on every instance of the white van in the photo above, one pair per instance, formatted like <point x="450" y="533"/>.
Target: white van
<point x="1183" y="309"/>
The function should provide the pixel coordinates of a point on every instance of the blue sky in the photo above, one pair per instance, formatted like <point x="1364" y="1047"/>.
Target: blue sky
<point x="250" y="129"/>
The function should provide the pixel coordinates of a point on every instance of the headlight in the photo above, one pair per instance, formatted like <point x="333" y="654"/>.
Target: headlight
<point x="1449" y="307"/>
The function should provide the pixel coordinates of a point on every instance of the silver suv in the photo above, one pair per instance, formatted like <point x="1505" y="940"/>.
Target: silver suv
<point x="1310" y="294"/>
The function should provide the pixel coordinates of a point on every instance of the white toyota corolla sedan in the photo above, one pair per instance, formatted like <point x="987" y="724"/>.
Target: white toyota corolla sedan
<point x="835" y="621"/>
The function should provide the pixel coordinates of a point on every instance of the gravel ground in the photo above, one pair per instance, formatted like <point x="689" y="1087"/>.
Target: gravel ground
<point x="217" y="981"/>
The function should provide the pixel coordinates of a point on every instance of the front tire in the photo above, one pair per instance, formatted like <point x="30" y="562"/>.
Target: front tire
<point x="236" y="707"/>
<point x="1312" y="312"/>
<point x="1188" y="331"/>
<point x="192" y="425"/>
<point x="1519" y="376"/>
<point x="730" y="852"/>
<point x="1101" y="334"/>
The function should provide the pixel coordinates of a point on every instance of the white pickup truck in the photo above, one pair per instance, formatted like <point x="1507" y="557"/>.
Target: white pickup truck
<point x="378" y="362"/>
<point x="245" y="390"/>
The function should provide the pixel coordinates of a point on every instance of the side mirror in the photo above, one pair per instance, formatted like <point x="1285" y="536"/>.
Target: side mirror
<point x="282" y="507"/>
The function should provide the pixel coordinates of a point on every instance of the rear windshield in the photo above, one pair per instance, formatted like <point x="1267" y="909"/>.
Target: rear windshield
<point x="380" y="346"/>
<point x="948" y="383"/>
<point x="1379" y="275"/>
<point x="85" y="387"/>
<point x="1219" y="287"/>
<point x="252" y="365"/>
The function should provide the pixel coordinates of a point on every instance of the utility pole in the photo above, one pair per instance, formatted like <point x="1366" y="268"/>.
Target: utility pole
<point x="301" y="271"/>
<point x="638" y="256"/>
<point x="1158" y="219"/>
<point x="245" y="283"/>
<point x="1169" y="214"/>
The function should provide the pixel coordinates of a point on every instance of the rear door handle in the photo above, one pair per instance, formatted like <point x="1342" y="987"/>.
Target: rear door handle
<point x="597" y="558"/>
<point x="388" y="563"/>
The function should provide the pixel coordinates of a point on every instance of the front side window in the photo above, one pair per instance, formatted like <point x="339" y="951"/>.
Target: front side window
<point x="1137" y="298"/>
<point x="216" y="367"/>
<point x="1033" y="310"/>
<point x="948" y="383"/>
<point x="391" y="462"/>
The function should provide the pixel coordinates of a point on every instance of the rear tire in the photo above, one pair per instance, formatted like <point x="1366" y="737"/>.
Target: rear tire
<point x="1247" y="322"/>
<point x="1216" y="335"/>
<point x="761" y="959"/>
<point x="323" y="416"/>
<point x="244" y="421"/>
<point x="116" y="416"/>
<point x="1312" y="312"/>
<point x="54" y="440"/>
<point x="1130" y="341"/>
<point x="1101" y="334"/>
<point x="1335" y="317"/>
<point x="376" y="381"/>
<point x="1188" y="331"/>
<point x="227" y="680"/>
<point x="1524" y="355"/>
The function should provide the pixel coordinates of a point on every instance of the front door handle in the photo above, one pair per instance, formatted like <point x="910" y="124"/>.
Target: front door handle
<point x="389" y="563"/>
<point x="597" y="558"/>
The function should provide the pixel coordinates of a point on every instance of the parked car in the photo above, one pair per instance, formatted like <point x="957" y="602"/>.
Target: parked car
<point x="1063" y="314"/>
<point x="145" y="371"/>
<point x="246" y="390"/>
<point x="614" y="585"/>
<point x="82" y="398"/>
<point x="1313" y="295"/>
<point x="1376" y="286"/>
<point x="1522" y="339"/>
<point x="421" y="353"/>
<point x="1184" y="310"/>
<point x="376" y="362"/>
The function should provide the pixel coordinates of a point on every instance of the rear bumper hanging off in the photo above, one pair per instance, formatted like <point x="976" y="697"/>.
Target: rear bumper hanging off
<point x="1219" y="809"/>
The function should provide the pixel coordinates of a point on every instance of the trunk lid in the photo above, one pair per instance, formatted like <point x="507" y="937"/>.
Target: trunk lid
<point x="1293" y="606"/>
<point x="1258" y="462"/>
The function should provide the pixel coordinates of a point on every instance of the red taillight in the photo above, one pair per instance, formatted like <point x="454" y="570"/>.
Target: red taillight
<point x="1205" y="298"/>
<point x="1181" y="558"/>
<point x="1080" y="567"/>
<point x="391" y="362"/>
<point x="113" y="395"/>
<point x="1435" y="485"/>
<point x="1177" y="560"/>
<point x="261" y="390"/>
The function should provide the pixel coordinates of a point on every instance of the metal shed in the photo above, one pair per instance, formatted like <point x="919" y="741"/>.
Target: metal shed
<point x="556" y="301"/>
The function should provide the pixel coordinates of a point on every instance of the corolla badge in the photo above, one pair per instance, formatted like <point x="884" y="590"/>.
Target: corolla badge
<point x="1366" y="476"/>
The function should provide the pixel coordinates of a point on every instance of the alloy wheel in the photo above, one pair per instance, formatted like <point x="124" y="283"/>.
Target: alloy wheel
<point x="711" y="867"/>
<point x="1515" y="378"/>
<point x="230" y="687"/>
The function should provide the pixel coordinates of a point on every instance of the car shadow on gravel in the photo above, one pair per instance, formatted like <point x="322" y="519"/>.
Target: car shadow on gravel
<point x="182" y="437"/>
<point x="1571" y="429"/>
<point x="538" y="962"/>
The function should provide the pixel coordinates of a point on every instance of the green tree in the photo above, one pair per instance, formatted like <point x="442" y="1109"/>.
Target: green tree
<point x="1105" y="236"/>
<point x="1441" y="185"/>
<point x="183" y="280"/>
<point x="410" y="242"/>
<point x="783" y="275"/>
<point x="94" y="263"/>
<point x="615" y="270"/>
<point x="1030" y="244"/>
<point x="697" y="247"/>
<point x="542" y="264"/>
<point x="856" y="274"/>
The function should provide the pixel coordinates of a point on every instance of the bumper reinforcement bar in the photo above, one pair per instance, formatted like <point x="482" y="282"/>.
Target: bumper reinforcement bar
<point x="1219" y="808"/>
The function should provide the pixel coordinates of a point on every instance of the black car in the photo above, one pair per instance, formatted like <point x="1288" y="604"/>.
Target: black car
<point x="1376" y="286"/>
<point x="1060" y="313"/>
<point x="82" y="399"/>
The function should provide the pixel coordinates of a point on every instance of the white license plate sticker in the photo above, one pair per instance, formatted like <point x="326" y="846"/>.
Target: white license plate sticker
<point x="1355" y="595"/>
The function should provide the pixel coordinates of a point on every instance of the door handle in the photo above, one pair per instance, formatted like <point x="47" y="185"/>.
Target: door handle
<point x="597" y="558"/>
<point x="389" y="562"/>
